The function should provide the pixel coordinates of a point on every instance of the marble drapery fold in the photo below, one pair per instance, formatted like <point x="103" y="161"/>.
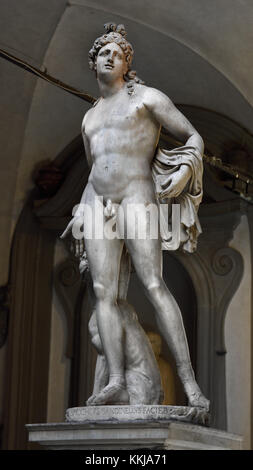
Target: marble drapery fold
<point x="165" y="163"/>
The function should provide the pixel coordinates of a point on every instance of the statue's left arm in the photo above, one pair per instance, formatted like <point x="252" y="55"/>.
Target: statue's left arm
<point x="168" y="116"/>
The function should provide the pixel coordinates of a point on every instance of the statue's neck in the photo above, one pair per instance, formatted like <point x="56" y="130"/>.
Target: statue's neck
<point x="108" y="89"/>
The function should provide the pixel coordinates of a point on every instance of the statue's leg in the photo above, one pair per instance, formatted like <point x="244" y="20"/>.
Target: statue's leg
<point x="146" y="256"/>
<point x="124" y="274"/>
<point x="101" y="376"/>
<point x="142" y="372"/>
<point x="104" y="261"/>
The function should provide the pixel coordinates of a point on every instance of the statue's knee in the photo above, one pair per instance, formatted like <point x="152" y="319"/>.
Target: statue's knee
<point x="96" y="342"/>
<point x="155" y="284"/>
<point x="92" y="325"/>
<point x="99" y="290"/>
<point x="104" y="293"/>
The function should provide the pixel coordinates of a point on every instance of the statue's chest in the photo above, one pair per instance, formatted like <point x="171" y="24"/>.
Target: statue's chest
<point x="120" y="115"/>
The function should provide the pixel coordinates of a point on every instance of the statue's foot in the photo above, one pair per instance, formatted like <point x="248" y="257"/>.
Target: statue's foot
<point x="197" y="399"/>
<point x="192" y="390"/>
<point x="112" y="394"/>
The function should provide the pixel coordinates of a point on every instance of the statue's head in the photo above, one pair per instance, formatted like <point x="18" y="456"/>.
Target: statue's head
<point x="115" y="38"/>
<point x="114" y="34"/>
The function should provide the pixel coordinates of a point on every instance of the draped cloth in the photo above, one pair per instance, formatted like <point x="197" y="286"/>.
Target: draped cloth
<point x="165" y="163"/>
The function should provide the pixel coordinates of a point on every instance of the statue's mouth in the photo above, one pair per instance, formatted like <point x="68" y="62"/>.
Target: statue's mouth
<point x="109" y="66"/>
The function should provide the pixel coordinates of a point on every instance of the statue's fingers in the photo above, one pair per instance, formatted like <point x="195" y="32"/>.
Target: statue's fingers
<point x="171" y="193"/>
<point x="64" y="234"/>
<point x="165" y="193"/>
<point x="67" y="229"/>
<point x="167" y="182"/>
<point x="174" y="192"/>
<point x="77" y="248"/>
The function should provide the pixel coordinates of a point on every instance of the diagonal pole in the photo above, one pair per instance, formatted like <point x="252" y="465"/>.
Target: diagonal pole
<point x="45" y="76"/>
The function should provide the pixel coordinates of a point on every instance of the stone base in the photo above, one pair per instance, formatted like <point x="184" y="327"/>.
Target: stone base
<point x="135" y="413"/>
<point x="131" y="427"/>
<point x="165" y="436"/>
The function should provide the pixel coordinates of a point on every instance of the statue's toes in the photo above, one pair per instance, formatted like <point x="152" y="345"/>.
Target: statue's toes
<point x="204" y="403"/>
<point x="111" y="394"/>
<point x="90" y="400"/>
<point x="199" y="401"/>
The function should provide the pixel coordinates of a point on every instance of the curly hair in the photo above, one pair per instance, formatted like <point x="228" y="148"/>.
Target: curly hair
<point x="116" y="34"/>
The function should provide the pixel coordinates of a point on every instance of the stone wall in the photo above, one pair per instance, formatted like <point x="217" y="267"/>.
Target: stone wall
<point x="238" y="342"/>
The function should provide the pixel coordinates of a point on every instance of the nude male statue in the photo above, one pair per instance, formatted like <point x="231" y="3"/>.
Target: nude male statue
<point x="120" y="135"/>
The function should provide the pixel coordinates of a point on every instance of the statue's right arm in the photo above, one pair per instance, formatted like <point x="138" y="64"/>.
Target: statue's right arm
<point x="89" y="161"/>
<point x="86" y="142"/>
<point x="87" y="149"/>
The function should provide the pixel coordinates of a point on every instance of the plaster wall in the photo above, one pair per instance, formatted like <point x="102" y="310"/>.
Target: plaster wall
<point x="238" y="343"/>
<point x="25" y="31"/>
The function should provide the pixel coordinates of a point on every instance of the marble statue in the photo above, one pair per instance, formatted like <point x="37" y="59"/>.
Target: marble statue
<point x="121" y="133"/>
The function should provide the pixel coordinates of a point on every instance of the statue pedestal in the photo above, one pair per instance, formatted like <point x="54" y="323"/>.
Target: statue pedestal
<point x="128" y="427"/>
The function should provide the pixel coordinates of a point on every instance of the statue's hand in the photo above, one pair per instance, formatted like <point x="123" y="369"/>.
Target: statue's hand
<point x="77" y="247"/>
<point x="176" y="182"/>
<point x="77" y="244"/>
<point x="68" y="229"/>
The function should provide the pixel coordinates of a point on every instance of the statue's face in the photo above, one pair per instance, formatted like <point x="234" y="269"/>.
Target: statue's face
<point x="111" y="63"/>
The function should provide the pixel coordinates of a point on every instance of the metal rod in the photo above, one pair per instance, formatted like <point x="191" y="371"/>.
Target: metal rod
<point x="45" y="76"/>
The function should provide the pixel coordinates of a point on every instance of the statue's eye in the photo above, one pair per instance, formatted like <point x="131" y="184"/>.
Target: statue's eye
<point x="106" y="52"/>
